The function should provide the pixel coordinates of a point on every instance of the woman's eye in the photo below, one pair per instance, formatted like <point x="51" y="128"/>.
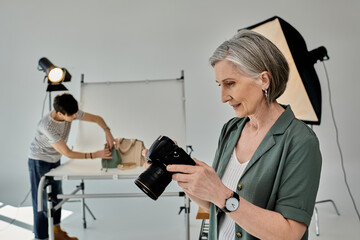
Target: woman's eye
<point x="226" y="84"/>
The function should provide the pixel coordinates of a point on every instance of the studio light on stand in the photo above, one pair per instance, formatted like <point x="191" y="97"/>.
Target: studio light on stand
<point x="54" y="76"/>
<point x="303" y="91"/>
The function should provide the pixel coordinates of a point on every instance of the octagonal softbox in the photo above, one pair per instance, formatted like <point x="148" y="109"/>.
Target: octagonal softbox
<point x="303" y="91"/>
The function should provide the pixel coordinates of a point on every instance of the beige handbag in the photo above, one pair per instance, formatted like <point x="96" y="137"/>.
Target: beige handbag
<point x="131" y="150"/>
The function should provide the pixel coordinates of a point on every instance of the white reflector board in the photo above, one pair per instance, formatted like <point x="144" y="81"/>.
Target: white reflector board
<point x="135" y="109"/>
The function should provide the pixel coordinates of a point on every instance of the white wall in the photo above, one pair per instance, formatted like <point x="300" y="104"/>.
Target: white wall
<point x="115" y="40"/>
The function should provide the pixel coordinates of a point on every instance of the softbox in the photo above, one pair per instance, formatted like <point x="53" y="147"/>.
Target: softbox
<point x="303" y="91"/>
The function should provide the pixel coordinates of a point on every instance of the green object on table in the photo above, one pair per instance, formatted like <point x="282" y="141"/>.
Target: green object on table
<point x="113" y="161"/>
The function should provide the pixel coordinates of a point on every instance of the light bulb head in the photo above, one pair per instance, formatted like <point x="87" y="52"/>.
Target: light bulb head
<point x="56" y="75"/>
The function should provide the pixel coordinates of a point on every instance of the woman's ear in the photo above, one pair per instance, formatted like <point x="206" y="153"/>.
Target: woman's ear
<point x="265" y="80"/>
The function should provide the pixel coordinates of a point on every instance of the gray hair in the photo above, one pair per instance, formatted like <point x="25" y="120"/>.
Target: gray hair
<point x="252" y="53"/>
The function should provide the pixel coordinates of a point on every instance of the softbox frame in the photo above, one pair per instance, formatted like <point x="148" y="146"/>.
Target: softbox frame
<point x="303" y="91"/>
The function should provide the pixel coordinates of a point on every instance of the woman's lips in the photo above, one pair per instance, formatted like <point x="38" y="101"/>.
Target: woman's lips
<point x="236" y="106"/>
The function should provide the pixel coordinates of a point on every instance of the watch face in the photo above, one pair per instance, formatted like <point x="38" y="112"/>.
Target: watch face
<point x="232" y="204"/>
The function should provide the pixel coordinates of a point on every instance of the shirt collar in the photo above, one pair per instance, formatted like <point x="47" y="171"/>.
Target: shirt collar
<point x="283" y="122"/>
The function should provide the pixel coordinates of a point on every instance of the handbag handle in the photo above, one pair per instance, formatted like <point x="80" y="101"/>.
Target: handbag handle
<point x="125" y="150"/>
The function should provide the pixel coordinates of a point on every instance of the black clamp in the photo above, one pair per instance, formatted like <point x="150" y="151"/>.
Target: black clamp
<point x="181" y="209"/>
<point x="189" y="149"/>
<point x="81" y="186"/>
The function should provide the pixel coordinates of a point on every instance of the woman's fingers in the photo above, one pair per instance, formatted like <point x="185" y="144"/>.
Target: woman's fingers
<point x="200" y="163"/>
<point x="186" y="168"/>
<point x="146" y="164"/>
<point x="181" y="168"/>
<point x="106" y="153"/>
<point x="144" y="152"/>
<point x="110" y="144"/>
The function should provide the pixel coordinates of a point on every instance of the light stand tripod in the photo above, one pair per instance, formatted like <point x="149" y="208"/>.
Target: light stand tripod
<point x="316" y="214"/>
<point x="83" y="204"/>
<point x="82" y="185"/>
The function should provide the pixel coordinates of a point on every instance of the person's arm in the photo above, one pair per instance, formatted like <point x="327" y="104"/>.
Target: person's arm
<point x="201" y="182"/>
<point x="62" y="148"/>
<point x="262" y="223"/>
<point x="100" y="121"/>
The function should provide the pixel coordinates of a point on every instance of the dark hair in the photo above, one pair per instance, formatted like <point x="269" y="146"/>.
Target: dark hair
<point x="66" y="104"/>
<point x="253" y="53"/>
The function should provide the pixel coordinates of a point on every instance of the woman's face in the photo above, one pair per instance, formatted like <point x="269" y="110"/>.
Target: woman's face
<point x="243" y="93"/>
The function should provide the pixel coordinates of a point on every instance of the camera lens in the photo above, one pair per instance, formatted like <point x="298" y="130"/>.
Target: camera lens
<point x="153" y="181"/>
<point x="162" y="152"/>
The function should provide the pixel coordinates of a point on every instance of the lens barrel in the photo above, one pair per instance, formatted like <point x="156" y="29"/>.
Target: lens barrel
<point x="153" y="181"/>
<point x="162" y="152"/>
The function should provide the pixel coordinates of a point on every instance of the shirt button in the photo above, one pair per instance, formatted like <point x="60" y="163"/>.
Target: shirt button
<point x="239" y="186"/>
<point x="238" y="234"/>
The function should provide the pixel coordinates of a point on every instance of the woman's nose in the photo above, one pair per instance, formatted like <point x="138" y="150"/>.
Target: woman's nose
<point x="225" y="97"/>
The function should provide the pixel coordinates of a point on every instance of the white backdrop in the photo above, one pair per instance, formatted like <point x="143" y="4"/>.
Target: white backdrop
<point x="142" y="110"/>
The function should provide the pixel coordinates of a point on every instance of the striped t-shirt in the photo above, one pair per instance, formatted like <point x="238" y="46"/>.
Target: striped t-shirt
<point x="50" y="131"/>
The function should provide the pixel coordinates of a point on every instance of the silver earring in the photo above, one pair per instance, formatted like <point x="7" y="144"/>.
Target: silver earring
<point x="266" y="93"/>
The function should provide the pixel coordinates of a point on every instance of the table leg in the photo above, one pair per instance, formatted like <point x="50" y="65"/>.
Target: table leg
<point x="50" y="212"/>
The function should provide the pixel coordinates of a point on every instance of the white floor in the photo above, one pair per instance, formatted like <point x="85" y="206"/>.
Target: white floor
<point x="143" y="218"/>
<point x="115" y="220"/>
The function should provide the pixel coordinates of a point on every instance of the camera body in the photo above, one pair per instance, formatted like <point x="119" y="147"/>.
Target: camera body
<point x="162" y="152"/>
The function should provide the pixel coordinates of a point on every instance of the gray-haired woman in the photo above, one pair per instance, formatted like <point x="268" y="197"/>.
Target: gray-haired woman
<point x="266" y="171"/>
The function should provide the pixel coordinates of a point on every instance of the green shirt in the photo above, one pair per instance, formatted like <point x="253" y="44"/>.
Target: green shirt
<point x="283" y="174"/>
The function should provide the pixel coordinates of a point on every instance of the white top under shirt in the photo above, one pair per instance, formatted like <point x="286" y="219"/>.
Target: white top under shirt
<point x="230" y="179"/>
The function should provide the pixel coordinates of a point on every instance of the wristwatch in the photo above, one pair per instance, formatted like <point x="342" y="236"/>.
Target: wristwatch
<point x="232" y="203"/>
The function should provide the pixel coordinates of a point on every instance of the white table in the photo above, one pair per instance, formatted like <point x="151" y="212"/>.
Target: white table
<point x="91" y="169"/>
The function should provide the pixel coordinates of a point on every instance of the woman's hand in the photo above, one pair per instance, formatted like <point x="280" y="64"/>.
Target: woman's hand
<point x="109" y="138"/>
<point x="146" y="163"/>
<point x="104" y="153"/>
<point x="200" y="181"/>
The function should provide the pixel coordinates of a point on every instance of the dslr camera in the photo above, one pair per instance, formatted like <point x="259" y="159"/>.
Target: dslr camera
<point x="155" y="178"/>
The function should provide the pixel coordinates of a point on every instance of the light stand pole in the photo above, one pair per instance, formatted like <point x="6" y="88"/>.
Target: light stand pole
<point x="49" y="101"/>
<point x="316" y="215"/>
